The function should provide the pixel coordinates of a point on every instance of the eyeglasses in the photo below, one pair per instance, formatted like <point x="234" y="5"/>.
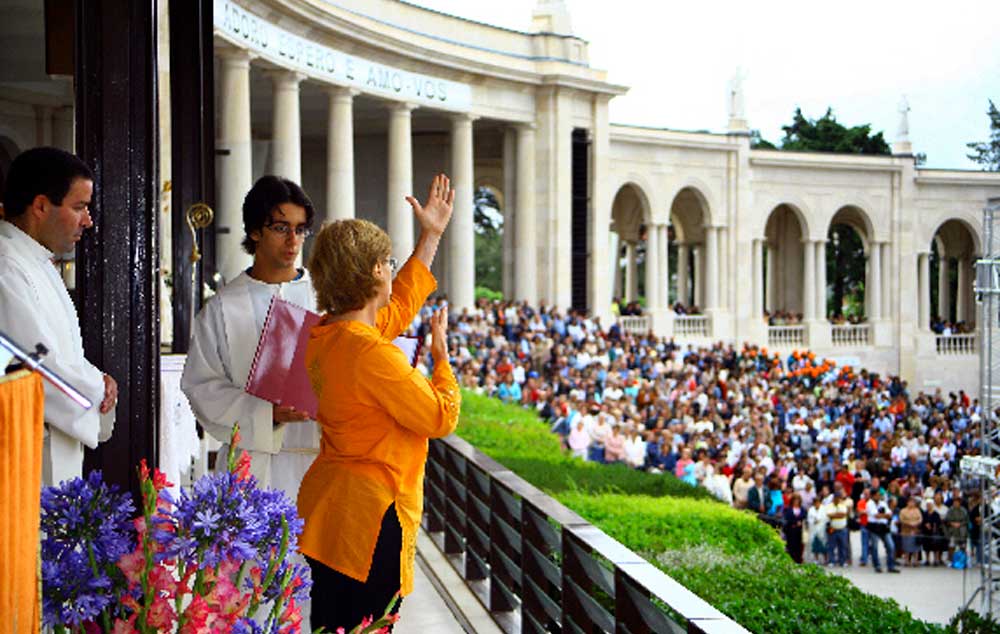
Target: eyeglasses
<point x="285" y="230"/>
<point x="393" y="263"/>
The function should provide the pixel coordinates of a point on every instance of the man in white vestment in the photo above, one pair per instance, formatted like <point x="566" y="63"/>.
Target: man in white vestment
<point x="46" y="210"/>
<point x="282" y="442"/>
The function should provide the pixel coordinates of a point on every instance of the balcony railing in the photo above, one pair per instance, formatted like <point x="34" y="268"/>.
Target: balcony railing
<point x="692" y="326"/>
<point x="851" y="335"/>
<point x="954" y="345"/>
<point x="536" y="566"/>
<point x="635" y="324"/>
<point x="786" y="336"/>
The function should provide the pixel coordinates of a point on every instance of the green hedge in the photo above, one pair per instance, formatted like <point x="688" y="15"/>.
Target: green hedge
<point x="727" y="557"/>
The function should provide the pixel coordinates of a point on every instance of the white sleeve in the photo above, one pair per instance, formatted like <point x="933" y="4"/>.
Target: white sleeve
<point x="22" y="319"/>
<point x="217" y="401"/>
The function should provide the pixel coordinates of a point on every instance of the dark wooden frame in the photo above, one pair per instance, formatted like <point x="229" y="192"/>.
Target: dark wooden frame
<point x="192" y="99"/>
<point x="118" y="260"/>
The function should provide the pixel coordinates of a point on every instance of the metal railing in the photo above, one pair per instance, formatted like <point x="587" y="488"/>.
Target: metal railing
<point x="635" y="324"/>
<point x="853" y="335"/>
<point x="692" y="326"/>
<point x="957" y="344"/>
<point x="537" y="566"/>
<point x="786" y="336"/>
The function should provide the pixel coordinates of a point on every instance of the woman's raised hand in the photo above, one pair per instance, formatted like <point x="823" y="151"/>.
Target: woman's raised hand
<point x="435" y="213"/>
<point x="439" y="335"/>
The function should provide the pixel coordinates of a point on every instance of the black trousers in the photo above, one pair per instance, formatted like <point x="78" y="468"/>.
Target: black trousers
<point x="340" y="601"/>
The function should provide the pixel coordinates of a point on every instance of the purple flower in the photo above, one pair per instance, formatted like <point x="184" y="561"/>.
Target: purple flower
<point x="86" y="527"/>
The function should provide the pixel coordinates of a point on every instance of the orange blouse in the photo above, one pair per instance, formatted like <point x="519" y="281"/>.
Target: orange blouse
<point x="376" y="413"/>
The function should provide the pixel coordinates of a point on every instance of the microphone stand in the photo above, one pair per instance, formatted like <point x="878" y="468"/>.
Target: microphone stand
<point x="34" y="362"/>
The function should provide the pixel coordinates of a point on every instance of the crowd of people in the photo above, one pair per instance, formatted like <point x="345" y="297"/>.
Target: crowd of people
<point x="817" y="449"/>
<point x="944" y="327"/>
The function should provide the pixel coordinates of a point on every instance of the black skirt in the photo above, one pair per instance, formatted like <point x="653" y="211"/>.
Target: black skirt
<point x="340" y="601"/>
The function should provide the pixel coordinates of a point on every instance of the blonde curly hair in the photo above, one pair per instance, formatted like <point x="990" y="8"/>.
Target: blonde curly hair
<point x="343" y="258"/>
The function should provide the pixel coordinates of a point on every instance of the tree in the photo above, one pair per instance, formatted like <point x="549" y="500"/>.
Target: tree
<point x="845" y="265"/>
<point x="757" y="142"/>
<point x="987" y="153"/>
<point x="826" y="134"/>
<point x="489" y="240"/>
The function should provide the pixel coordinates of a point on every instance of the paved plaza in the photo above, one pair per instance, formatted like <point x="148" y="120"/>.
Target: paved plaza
<point x="931" y="594"/>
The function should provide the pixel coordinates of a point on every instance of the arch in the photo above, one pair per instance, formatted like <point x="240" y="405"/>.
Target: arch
<point x="690" y="214"/>
<point x="857" y="219"/>
<point x="496" y="190"/>
<point x="630" y="209"/>
<point x="952" y="234"/>
<point x="798" y="206"/>
<point x="785" y="232"/>
<point x="703" y="192"/>
<point x="867" y="207"/>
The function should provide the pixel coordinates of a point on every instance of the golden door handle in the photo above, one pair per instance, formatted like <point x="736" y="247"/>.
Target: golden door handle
<point x="199" y="216"/>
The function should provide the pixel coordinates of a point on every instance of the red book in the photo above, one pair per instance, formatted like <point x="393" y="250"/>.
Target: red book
<point x="278" y="372"/>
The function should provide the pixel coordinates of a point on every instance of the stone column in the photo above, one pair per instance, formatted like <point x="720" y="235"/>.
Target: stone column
<point x="711" y="268"/>
<point x="924" y="291"/>
<point x="664" y="266"/>
<point x="631" y="273"/>
<point x="962" y="312"/>
<point x="756" y="310"/>
<point x="698" y="281"/>
<point x="809" y="281"/>
<point x="508" y="211"/>
<point x="771" y="291"/>
<point x="340" y="155"/>
<point x="652" y="268"/>
<point x="873" y="294"/>
<point x="821" y="280"/>
<point x="525" y="225"/>
<point x="886" y="291"/>
<point x="235" y="170"/>
<point x="400" y="181"/>
<point x="722" y="264"/>
<point x="944" y="288"/>
<point x="462" y="241"/>
<point x="286" y="130"/>
<point x="619" y="291"/>
<point x="683" y="275"/>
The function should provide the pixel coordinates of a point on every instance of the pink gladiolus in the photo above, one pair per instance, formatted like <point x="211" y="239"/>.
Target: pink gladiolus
<point x="132" y="565"/>
<point x="161" y="614"/>
<point x="196" y="616"/>
<point x="162" y="580"/>
<point x="123" y="626"/>
<point x="243" y="467"/>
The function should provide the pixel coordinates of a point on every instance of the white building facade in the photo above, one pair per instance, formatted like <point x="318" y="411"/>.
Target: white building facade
<point x="362" y="101"/>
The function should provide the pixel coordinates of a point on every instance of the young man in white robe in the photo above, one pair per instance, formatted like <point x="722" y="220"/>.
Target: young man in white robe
<point x="282" y="442"/>
<point x="46" y="210"/>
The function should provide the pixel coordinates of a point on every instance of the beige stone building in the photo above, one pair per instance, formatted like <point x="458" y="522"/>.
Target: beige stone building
<point x="363" y="100"/>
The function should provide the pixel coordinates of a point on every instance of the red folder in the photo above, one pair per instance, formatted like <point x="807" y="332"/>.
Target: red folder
<point x="278" y="372"/>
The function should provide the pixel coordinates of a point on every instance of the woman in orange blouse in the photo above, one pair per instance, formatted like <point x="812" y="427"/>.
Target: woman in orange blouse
<point x="363" y="496"/>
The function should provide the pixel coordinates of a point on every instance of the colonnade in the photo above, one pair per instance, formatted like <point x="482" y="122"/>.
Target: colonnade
<point x="234" y="173"/>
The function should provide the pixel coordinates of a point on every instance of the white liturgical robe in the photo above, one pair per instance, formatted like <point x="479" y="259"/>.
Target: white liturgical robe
<point x="35" y="307"/>
<point x="223" y="342"/>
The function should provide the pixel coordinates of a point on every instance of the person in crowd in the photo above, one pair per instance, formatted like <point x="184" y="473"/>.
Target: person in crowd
<point x="956" y="527"/>
<point x="816" y="527"/>
<point x="362" y="498"/>
<point x="911" y="519"/>
<point x="46" y="207"/>
<point x="758" y="496"/>
<point x="635" y="450"/>
<point x="614" y="446"/>
<point x="579" y="440"/>
<point x="794" y="520"/>
<point x="277" y="218"/>
<point x="879" y="528"/>
<point x="742" y="486"/>
<point x="932" y="531"/>
<point x="837" y="512"/>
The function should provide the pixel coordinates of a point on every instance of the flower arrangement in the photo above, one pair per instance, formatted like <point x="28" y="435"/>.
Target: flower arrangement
<point x="207" y="561"/>
<point x="214" y="559"/>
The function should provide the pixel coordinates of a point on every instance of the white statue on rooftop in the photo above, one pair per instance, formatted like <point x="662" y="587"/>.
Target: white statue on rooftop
<point x="551" y="16"/>
<point x="736" y="103"/>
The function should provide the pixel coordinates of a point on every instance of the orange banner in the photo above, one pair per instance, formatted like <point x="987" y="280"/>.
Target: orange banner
<point x="21" y="424"/>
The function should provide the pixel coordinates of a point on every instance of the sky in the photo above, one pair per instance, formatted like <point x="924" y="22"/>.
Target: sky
<point x="860" y="58"/>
